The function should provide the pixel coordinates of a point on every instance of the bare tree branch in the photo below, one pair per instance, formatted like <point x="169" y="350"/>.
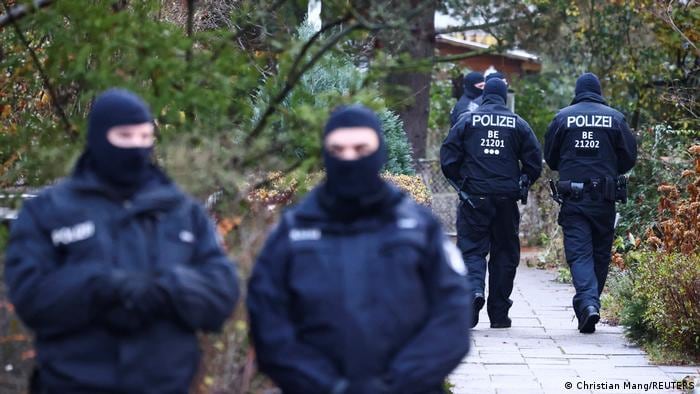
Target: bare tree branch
<point x="19" y="11"/>
<point x="461" y="56"/>
<point x="669" y="20"/>
<point x="45" y="78"/>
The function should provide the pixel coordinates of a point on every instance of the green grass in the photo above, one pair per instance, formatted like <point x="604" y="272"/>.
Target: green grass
<point x="661" y="355"/>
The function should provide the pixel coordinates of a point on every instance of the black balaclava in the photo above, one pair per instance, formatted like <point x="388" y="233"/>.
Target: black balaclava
<point x="470" y="80"/>
<point x="495" y="75"/>
<point x="588" y="82"/>
<point x="495" y="91"/>
<point x="588" y="89"/>
<point x="354" y="179"/>
<point x="124" y="168"/>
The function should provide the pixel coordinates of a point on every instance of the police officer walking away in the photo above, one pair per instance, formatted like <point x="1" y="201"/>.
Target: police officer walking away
<point x="590" y="145"/>
<point x="491" y="156"/>
<point x="115" y="269"/>
<point x="357" y="290"/>
<point x="473" y="84"/>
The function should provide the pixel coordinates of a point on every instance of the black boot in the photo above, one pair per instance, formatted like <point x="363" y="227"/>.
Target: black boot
<point x="506" y="323"/>
<point x="589" y="318"/>
<point x="478" y="303"/>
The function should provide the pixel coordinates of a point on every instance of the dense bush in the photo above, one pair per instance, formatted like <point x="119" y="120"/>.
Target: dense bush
<point x="670" y="284"/>
<point x="399" y="151"/>
<point x="655" y="285"/>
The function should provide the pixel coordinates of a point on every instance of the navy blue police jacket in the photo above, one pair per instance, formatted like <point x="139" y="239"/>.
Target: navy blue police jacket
<point x="381" y="296"/>
<point x="73" y="233"/>
<point x="488" y="149"/>
<point x="589" y="139"/>
<point x="466" y="103"/>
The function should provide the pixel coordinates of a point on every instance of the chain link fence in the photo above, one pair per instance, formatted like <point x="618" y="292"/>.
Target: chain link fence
<point x="445" y="200"/>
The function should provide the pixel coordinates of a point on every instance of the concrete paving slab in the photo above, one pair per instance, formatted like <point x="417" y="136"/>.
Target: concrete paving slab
<point x="544" y="350"/>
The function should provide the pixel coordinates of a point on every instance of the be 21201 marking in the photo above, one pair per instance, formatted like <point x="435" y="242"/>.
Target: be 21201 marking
<point x="493" y="140"/>
<point x="491" y="143"/>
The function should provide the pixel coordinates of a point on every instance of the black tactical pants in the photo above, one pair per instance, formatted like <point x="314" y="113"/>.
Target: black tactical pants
<point x="490" y="228"/>
<point x="588" y="228"/>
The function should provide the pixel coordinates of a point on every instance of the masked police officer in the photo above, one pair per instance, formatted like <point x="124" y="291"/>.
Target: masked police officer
<point x="590" y="145"/>
<point x="473" y="85"/>
<point x="357" y="290"/>
<point x="485" y="156"/>
<point x="479" y="100"/>
<point x="115" y="269"/>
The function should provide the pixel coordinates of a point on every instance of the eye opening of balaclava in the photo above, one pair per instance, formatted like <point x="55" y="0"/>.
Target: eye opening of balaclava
<point x="127" y="168"/>
<point x="354" y="179"/>
<point x="470" y="80"/>
<point x="496" y="90"/>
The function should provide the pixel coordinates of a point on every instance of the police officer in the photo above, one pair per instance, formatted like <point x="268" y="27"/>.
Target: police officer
<point x="496" y="74"/>
<point x="485" y="156"/>
<point x="357" y="290"/>
<point x="473" y="85"/>
<point x="115" y="269"/>
<point x="590" y="145"/>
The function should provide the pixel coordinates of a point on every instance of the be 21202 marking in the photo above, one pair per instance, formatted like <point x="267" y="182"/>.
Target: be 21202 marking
<point x="587" y="141"/>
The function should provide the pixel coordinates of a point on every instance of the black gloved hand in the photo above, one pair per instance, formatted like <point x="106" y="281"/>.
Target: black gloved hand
<point x="129" y="300"/>
<point x="142" y="294"/>
<point x="105" y="288"/>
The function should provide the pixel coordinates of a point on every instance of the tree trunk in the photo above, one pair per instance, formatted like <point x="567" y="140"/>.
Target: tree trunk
<point x="414" y="104"/>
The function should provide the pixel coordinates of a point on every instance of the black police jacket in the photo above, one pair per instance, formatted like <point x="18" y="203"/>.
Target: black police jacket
<point x="466" y="103"/>
<point x="588" y="139"/>
<point x="488" y="149"/>
<point x="379" y="297"/>
<point x="74" y="233"/>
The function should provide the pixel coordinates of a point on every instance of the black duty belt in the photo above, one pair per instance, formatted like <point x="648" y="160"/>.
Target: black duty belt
<point x="606" y="189"/>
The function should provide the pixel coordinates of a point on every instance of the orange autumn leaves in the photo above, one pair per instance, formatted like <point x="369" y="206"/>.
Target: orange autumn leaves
<point x="678" y="227"/>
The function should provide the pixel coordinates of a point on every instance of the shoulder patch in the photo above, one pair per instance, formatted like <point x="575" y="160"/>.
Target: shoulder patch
<point x="407" y="223"/>
<point x="304" y="234"/>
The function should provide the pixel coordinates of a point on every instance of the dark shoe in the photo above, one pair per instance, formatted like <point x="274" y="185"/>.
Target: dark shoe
<point x="501" y="323"/>
<point x="588" y="320"/>
<point x="478" y="303"/>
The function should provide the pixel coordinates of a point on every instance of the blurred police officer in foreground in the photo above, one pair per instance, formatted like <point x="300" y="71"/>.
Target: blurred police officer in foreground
<point x="473" y="85"/>
<point x="590" y="145"/>
<point x="115" y="269"/>
<point x="357" y="289"/>
<point x="492" y="157"/>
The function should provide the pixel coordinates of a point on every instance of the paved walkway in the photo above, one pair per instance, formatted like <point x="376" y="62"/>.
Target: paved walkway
<point x="544" y="351"/>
